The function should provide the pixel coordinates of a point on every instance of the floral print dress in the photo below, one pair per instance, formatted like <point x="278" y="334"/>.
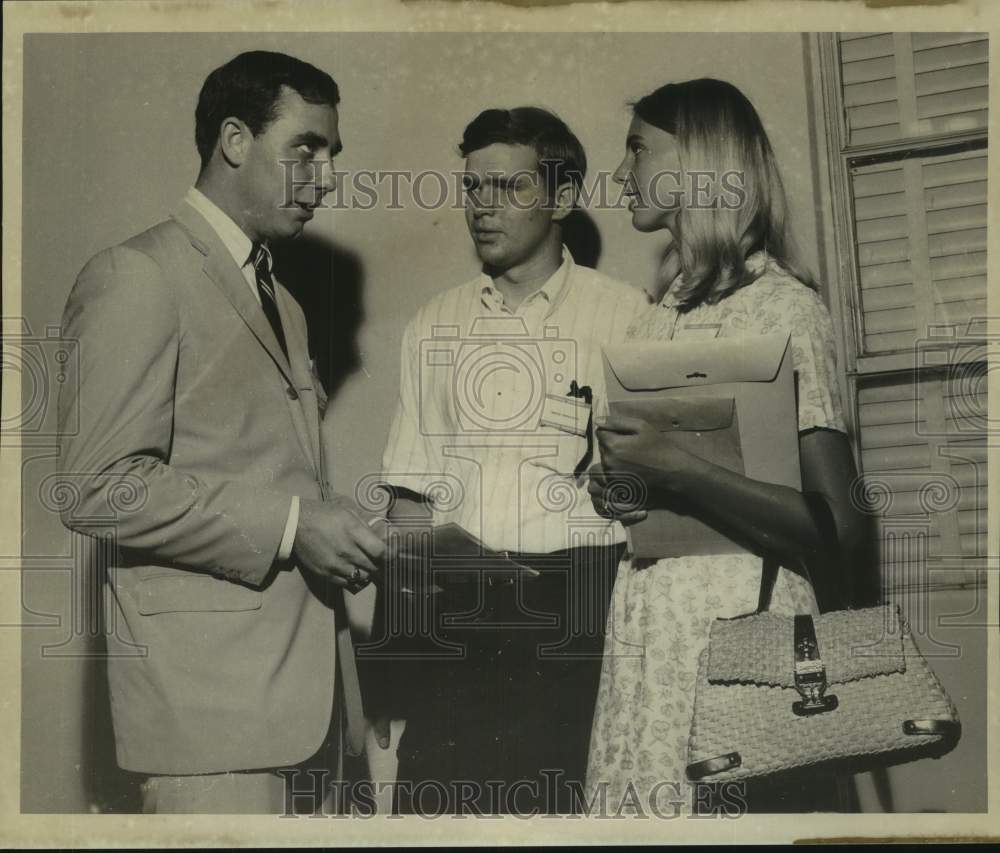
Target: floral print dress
<point x="662" y="610"/>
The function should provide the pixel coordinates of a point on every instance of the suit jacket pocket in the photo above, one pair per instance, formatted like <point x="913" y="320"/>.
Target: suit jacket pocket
<point x="183" y="592"/>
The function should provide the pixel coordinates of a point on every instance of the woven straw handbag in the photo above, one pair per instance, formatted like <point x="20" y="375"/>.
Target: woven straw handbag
<point x="844" y="691"/>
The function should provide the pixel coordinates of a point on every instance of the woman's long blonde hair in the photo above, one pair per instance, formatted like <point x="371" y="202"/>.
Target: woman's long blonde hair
<point x="719" y="132"/>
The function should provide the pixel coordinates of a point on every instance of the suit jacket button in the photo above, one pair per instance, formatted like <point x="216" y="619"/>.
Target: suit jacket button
<point x="292" y="393"/>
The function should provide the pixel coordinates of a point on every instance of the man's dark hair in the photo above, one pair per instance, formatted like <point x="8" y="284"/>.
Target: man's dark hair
<point x="561" y="157"/>
<point x="248" y="87"/>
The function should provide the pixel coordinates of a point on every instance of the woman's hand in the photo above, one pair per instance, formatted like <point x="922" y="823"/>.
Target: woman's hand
<point x="633" y="446"/>
<point x="620" y="497"/>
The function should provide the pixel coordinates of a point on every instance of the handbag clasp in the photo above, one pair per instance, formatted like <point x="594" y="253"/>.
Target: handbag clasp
<point x="810" y="671"/>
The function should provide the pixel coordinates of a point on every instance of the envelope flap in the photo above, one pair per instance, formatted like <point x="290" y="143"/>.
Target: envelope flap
<point x="654" y="365"/>
<point x="852" y="644"/>
<point x="677" y="414"/>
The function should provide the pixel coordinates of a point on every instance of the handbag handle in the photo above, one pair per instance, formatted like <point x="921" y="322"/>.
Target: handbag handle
<point x="820" y="511"/>
<point x="768" y="578"/>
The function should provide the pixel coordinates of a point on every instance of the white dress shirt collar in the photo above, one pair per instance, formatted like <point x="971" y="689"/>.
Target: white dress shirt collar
<point x="231" y="235"/>
<point x="552" y="291"/>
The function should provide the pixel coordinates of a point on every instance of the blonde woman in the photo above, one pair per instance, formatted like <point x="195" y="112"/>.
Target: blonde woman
<point x="698" y="163"/>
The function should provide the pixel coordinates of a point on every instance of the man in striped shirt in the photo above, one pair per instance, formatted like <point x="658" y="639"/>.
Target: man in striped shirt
<point x="493" y="432"/>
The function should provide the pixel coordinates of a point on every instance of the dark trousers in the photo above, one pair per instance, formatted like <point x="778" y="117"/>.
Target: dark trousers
<point x="499" y="694"/>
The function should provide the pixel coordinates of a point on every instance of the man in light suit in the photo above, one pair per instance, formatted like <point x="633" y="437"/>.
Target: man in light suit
<point x="195" y="389"/>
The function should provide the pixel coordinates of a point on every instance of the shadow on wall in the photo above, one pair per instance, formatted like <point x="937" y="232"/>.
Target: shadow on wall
<point x="328" y="282"/>
<point x="582" y="238"/>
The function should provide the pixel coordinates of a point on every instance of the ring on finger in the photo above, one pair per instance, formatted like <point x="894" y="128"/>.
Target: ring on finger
<point x="355" y="585"/>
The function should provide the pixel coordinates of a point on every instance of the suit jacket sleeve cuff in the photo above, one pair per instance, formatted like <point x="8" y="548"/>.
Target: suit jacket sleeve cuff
<point x="291" y="526"/>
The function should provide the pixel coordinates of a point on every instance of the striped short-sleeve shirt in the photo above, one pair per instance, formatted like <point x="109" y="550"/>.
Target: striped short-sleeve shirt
<point x="472" y="429"/>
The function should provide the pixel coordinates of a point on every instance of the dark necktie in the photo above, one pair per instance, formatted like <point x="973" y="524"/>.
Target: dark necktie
<point x="265" y="287"/>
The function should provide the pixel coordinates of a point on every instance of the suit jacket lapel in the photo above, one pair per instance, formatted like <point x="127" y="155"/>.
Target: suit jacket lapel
<point x="298" y="353"/>
<point x="220" y="267"/>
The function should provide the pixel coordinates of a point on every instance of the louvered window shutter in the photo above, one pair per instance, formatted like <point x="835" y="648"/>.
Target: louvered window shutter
<point x="920" y="227"/>
<point x="910" y="114"/>
<point x="902" y="85"/>
<point x="924" y="463"/>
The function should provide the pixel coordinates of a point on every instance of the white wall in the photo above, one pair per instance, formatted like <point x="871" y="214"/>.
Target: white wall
<point x="108" y="151"/>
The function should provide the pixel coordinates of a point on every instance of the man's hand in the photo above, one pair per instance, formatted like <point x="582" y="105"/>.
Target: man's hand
<point x="382" y="729"/>
<point x="619" y="497"/>
<point x="334" y="542"/>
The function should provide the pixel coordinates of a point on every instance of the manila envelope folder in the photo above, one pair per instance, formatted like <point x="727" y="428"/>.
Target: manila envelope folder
<point x="730" y="401"/>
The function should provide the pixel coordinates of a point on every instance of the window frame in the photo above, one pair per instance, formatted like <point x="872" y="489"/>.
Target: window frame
<point x="841" y="255"/>
<point x="841" y="157"/>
